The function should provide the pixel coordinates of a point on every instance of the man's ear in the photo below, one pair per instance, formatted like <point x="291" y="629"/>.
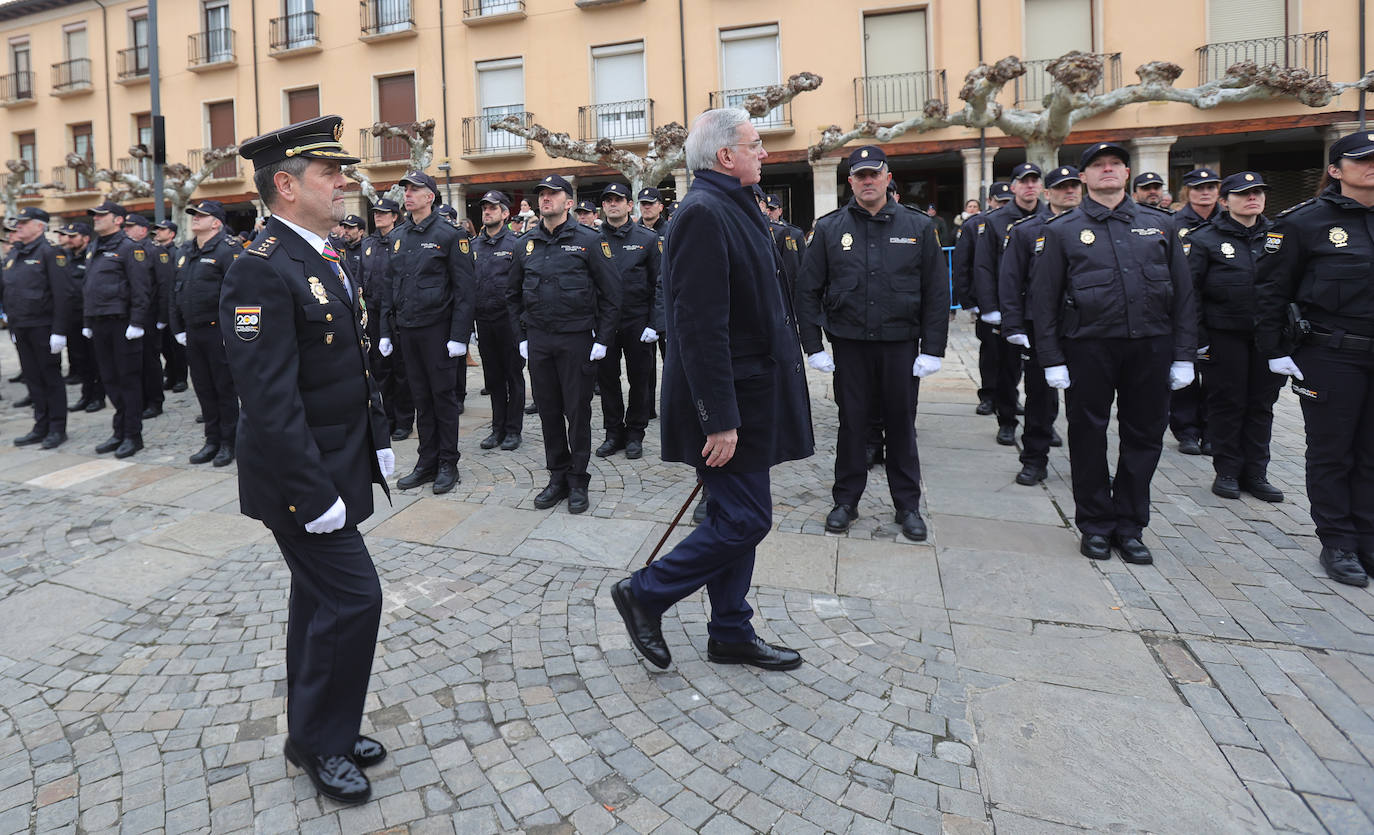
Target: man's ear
<point x="286" y="185"/>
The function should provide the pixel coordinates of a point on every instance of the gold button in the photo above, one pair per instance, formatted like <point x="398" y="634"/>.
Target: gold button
<point x="329" y="317"/>
<point x="291" y="508"/>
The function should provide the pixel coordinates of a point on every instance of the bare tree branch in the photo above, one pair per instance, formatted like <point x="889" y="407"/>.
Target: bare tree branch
<point x="15" y="189"/>
<point x="419" y="136"/>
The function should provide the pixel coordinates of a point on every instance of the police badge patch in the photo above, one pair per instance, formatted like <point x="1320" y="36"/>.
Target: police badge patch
<point x="61" y="260"/>
<point x="139" y="255"/>
<point x="605" y="248"/>
<point x="463" y="246"/>
<point x="162" y="256"/>
<point x="529" y="247"/>
<point x="1272" y="241"/>
<point x="397" y="247"/>
<point x="1087" y="236"/>
<point x="247" y="323"/>
<point x="181" y="262"/>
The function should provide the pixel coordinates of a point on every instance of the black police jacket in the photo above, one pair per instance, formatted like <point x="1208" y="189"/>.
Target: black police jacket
<point x="117" y="282"/>
<point x="1016" y="272"/>
<point x="563" y="281"/>
<point x="373" y="271"/>
<point x="494" y="254"/>
<point x="1319" y="254"/>
<point x="1186" y="220"/>
<point x="352" y="256"/>
<point x="987" y="252"/>
<point x="1223" y="256"/>
<point x="76" y="274"/>
<point x="637" y="253"/>
<point x="961" y="259"/>
<point x="1112" y="273"/>
<point x="431" y="276"/>
<point x="311" y="419"/>
<point x="200" y="275"/>
<point x="791" y="246"/>
<point x="163" y="270"/>
<point x="36" y="291"/>
<point x="874" y="277"/>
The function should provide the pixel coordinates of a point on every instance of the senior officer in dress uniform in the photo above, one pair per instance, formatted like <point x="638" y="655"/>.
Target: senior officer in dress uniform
<point x="564" y="296"/>
<point x="734" y="399"/>
<point x="36" y="295"/>
<point x="430" y="273"/>
<point x="636" y="253"/>
<point x="961" y="265"/>
<point x="1187" y="406"/>
<point x="874" y="278"/>
<point x="117" y="297"/>
<point x="137" y="227"/>
<point x="503" y="369"/>
<point x="1317" y="273"/>
<point x="195" y="323"/>
<point x="1115" y="317"/>
<point x="389" y="372"/>
<point x="312" y="441"/>
<point x="75" y="238"/>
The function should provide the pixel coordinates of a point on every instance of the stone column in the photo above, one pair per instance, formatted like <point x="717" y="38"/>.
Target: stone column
<point x="976" y="183"/>
<point x="1151" y="153"/>
<point x="459" y="198"/>
<point x="825" y="185"/>
<point x="1332" y="133"/>
<point x="680" y="183"/>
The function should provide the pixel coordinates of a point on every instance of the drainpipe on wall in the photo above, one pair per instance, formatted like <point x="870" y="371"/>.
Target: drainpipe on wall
<point x="443" y="94"/>
<point x="1363" y="66"/>
<point x="109" y="113"/>
<point x="982" y="132"/>
<point x="257" y="105"/>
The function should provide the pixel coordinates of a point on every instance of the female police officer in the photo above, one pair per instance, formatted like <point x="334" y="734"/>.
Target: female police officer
<point x="1318" y="273"/>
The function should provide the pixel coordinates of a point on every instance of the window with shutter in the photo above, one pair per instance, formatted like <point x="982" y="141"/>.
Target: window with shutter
<point x="500" y="93"/>
<point x="620" y="98"/>
<point x="396" y="106"/>
<point x="749" y="62"/>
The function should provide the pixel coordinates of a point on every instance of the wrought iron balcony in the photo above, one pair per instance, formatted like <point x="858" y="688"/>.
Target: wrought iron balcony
<point x="378" y="150"/>
<point x="1032" y="87"/>
<point x="897" y="97"/>
<point x="617" y="120"/>
<point x="475" y="11"/>
<point x="382" y="18"/>
<point x="16" y="87"/>
<point x="1307" y="51"/>
<point x="210" y="48"/>
<point x="227" y="170"/>
<point x="293" y="33"/>
<point x="778" y="117"/>
<point x="480" y="137"/>
<point x="132" y="63"/>
<point x="72" y="76"/>
<point x="140" y="167"/>
<point x="71" y="181"/>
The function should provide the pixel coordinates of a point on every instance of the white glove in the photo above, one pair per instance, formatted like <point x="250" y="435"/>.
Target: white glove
<point x="1285" y="365"/>
<point x="162" y="326"/>
<point x="386" y="460"/>
<point x="331" y="520"/>
<point x="1057" y="376"/>
<point x="133" y="332"/>
<point x="455" y="349"/>
<point x="1180" y="375"/>
<point x="384" y="347"/>
<point x="993" y="318"/>
<point x="56" y="343"/>
<point x="925" y="365"/>
<point x="1019" y="339"/>
<point x="649" y="335"/>
<point x="821" y="361"/>
<point x="87" y="332"/>
<point x="598" y="351"/>
<point x="524" y="349"/>
<point x="473" y="338"/>
<point x="180" y="338"/>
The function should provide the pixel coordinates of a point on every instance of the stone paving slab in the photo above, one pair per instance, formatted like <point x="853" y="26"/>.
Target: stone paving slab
<point x="209" y="534"/>
<point x="426" y="520"/>
<point x="496" y="530"/>
<point x="131" y="573"/>
<point x="904" y="572"/>
<point x="38" y="618"/>
<point x="1061" y="589"/>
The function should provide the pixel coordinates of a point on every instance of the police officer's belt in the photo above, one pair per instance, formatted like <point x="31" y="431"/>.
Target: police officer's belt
<point x="1343" y="342"/>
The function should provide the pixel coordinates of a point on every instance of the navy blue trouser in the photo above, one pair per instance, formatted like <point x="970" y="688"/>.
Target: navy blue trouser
<point x="1337" y="396"/>
<point x="717" y="554"/>
<point x="43" y="377"/>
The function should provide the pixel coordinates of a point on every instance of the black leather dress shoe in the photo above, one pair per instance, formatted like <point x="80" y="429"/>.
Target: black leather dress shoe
<point x="634" y="450"/>
<point x="1006" y="435"/>
<point x="33" y="437"/>
<point x="1132" y="550"/>
<point x="755" y="653"/>
<point x="1190" y="446"/>
<point x="96" y="405"/>
<point x="72" y="380"/>
<point x="367" y="751"/>
<point x="531" y="409"/>
<point x="79" y="405"/>
<point x="1031" y="475"/>
<point x="1055" y="440"/>
<point x="205" y="454"/>
<point x="1366" y="559"/>
<point x="1206" y="447"/>
<point x="110" y="444"/>
<point x="416" y="478"/>
<point x="1226" y="486"/>
<point x="53" y="440"/>
<point x="335" y="776"/>
<point x="17" y="378"/>
<point x="551" y="495"/>
<point x="399" y="434"/>
<point x="913" y="526"/>
<point x="511" y="442"/>
<point x="1020" y="409"/>
<point x="492" y="441"/>
<point x="179" y="386"/>
<point x="129" y="446"/>
<point x="152" y="412"/>
<point x="1344" y="567"/>
<point x="646" y="632"/>
<point x="609" y="447"/>
<point x="1261" y="489"/>
<point x="1095" y="546"/>
<point x="577" y="500"/>
<point x="23" y="402"/>
<point x="839" y="519"/>
<point x="984" y="407"/>
<point x="446" y="479"/>
<point x="699" y="512"/>
<point x="224" y="457"/>
<point x="200" y="418"/>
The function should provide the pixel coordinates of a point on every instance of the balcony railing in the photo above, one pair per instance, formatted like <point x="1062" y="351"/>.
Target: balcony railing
<point x="1307" y="51"/>
<point x="211" y="47"/>
<point x="617" y="120"/>
<point x="1032" y="87"/>
<point x="227" y="170"/>
<point x="480" y="137"/>
<point x="896" y="97"/>
<point x="377" y="149"/>
<point x="492" y="8"/>
<point x="140" y="167"/>
<point x="778" y="117"/>
<point x="71" y="76"/>
<point x="386" y="17"/>
<point x="15" y="87"/>
<point x="70" y="180"/>
<point x="132" y="63"/>
<point x="294" y="31"/>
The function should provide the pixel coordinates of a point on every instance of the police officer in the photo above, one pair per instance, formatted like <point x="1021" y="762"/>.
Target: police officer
<point x="118" y="295"/>
<point x="195" y="322"/>
<point x="137" y="227"/>
<point x="388" y="371"/>
<point x="1065" y="191"/>
<point x="503" y="369"/>
<point x="1026" y="185"/>
<point x="564" y="297"/>
<point x="1318" y="271"/>
<point x="1187" y="406"/>
<point x="652" y="215"/>
<point x="173" y="354"/>
<point x="789" y="242"/>
<point x="586" y="213"/>
<point x="432" y="298"/>
<point x="961" y="265"/>
<point x="874" y="278"/>
<point x="75" y="238"/>
<point x="1148" y="189"/>
<point x="636" y="252"/>
<point x="36" y="294"/>
<point x="1114" y="315"/>
<point x="354" y="228"/>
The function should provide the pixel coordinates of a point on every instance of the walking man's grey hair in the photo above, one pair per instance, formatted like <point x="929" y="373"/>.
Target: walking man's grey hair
<point x="713" y="130"/>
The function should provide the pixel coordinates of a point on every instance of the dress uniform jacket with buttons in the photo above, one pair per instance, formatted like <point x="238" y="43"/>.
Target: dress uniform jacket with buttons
<point x="494" y="254"/>
<point x="961" y="259"/>
<point x="36" y="291"/>
<point x="431" y="274"/>
<point x="1319" y="254"/>
<point x="1112" y="274"/>
<point x="638" y="256"/>
<point x="563" y="281"/>
<point x="732" y="360"/>
<point x="200" y="274"/>
<point x="311" y="420"/>
<point x="117" y="282"/>
<point x="1015" y="274"/>
<point x="987" y="255"/>
<point x="1223" y="256"/>
<point x="874" y="277"/>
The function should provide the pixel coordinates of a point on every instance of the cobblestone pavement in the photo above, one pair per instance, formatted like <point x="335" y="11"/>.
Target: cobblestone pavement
<point x="989" y="679"/>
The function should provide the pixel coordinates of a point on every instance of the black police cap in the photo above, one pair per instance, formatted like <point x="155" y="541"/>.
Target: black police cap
<point x="137" y="220"/>
<point x="616" y="189"/>
<point x="386" y="204"/>
<point x="1062" y="174"/>
<point x="79" y="228"/>
<point x="869" y="156"/>
<point x="109" y="207"/>
<point x="1025" y="169"/>
<point x="420" y="179"/>
<point x="166" y="224"/>
<point x="33" y="213"/>
<point x="1149" y="178"/>
<point x="585" y="206"/>
<point x="649" y="195"/>
<point x="1096" y="150"/>
<point x="497" y="198"/>
<point x="212" y="208"/>
<point x="1242" y="181"/>
<point x="447" y="211"/>
<point x="1351" y="146"/>
<point x="774" y="202"/>
<point x="553" y="182"/>
<point x="312" y="139"/>
<point x="999" y="191"/>
<point x="1200" y="176"/>
<point x="354" y="221"/>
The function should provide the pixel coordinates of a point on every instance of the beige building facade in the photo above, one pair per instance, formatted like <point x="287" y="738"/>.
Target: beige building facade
<point x="76" y="79"/>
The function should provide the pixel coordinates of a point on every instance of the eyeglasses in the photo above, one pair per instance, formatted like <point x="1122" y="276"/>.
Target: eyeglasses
<point x="756" y="145"/>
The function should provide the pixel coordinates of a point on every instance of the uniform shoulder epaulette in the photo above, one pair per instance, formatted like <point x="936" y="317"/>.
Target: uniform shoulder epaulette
<point x="263" y="245"/>
<point x="828" y="214"/>
<point x="1164" y="212"/>
<point x="1062" y="215"/>
<point x="1022" y="220"/>
<point x="1308" y="202"/>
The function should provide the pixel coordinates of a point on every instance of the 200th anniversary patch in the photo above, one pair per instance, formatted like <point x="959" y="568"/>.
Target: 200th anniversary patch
<point x="247" y="323"/>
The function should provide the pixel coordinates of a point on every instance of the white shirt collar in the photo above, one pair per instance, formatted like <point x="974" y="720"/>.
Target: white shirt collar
<point x="309" y="237"/>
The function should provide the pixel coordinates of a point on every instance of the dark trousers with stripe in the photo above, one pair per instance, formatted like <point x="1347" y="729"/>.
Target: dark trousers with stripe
<point x="214" y="384"/>
<point x="43" y="378"/>
<point x="433" y="377"/>
<point x="562" y="371"/>
<point x="121" y="369"/>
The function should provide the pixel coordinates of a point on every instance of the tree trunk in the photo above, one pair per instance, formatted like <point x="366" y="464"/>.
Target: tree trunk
<point x="1043" y="152"/>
